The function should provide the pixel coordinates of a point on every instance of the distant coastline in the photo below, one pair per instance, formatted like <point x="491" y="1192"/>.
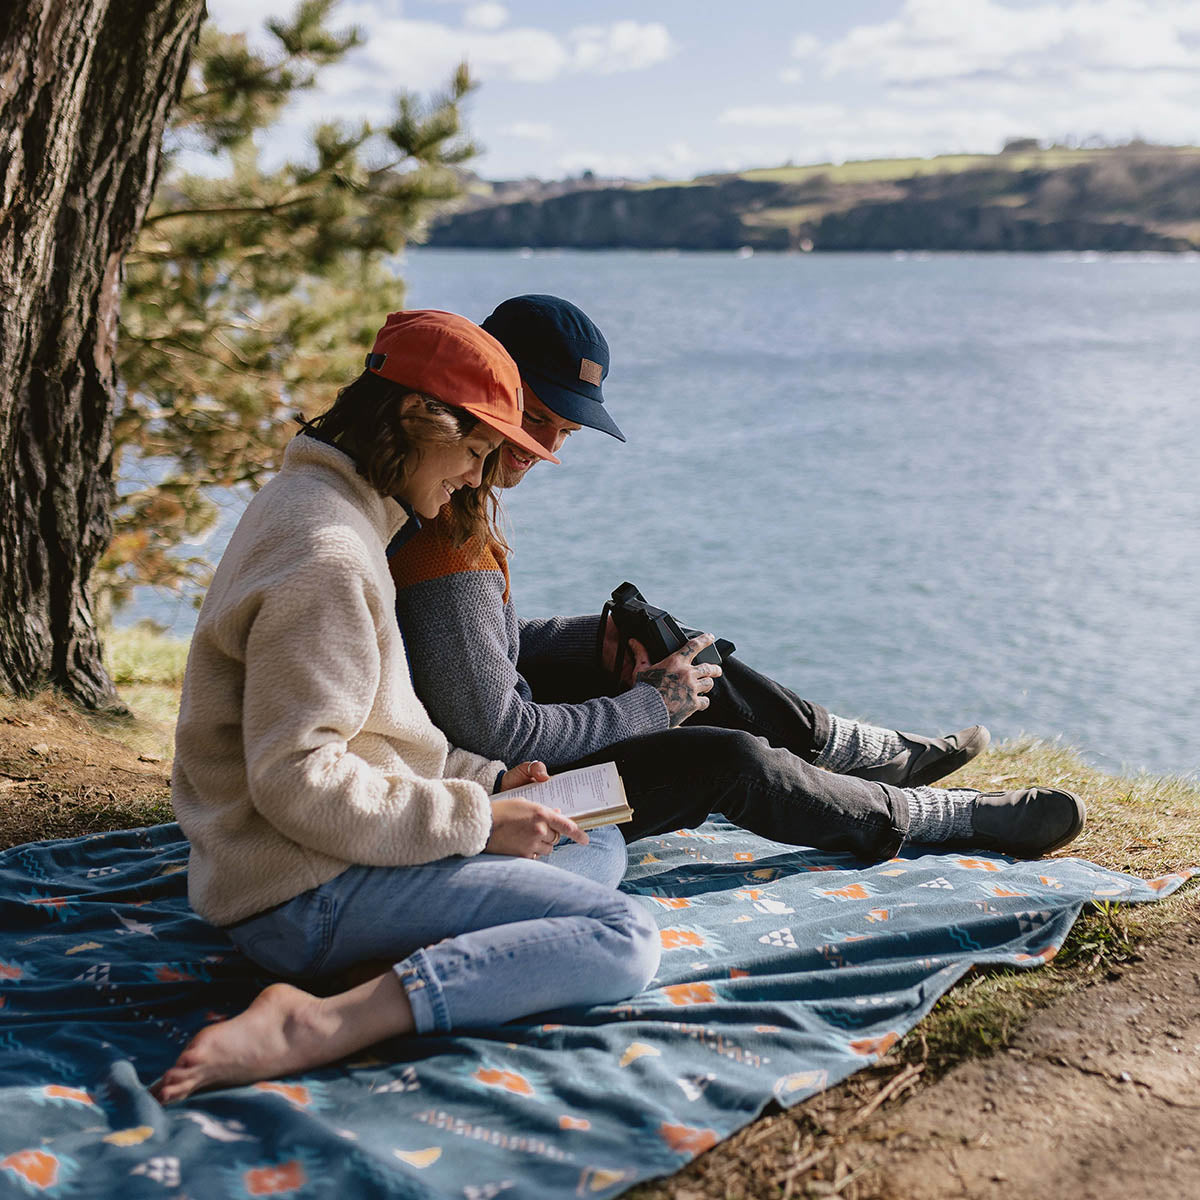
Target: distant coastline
<point x="1134" y="197"/>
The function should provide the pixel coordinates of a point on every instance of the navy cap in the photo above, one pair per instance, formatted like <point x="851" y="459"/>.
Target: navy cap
<point x="561" y="355"/>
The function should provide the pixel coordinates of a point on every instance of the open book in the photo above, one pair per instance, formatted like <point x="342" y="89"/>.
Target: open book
<point x="590" y="796"/>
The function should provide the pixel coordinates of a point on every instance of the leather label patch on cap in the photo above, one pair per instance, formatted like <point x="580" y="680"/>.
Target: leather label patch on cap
<point x="591" y="372"/>
<point x="520" y="398"/>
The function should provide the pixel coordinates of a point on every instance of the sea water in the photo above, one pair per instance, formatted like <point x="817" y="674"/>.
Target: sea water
<point x="923" y="490"/>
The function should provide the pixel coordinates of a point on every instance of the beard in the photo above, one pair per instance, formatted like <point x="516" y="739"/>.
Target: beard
<point x="509" y="474"/>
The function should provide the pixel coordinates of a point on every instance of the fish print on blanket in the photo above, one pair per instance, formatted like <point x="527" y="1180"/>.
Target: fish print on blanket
<point x="783" y="971"/>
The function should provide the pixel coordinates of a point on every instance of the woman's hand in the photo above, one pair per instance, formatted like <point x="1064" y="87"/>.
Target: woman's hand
<point x="523" y="774"/>
<point x="683" y="684"/>
<point x="528" y="830"/>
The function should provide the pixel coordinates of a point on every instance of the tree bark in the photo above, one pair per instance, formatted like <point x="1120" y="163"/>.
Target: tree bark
<point x="85" y="90"/>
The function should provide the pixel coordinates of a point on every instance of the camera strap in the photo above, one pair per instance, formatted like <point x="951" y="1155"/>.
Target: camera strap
<point x="621" y="644"/>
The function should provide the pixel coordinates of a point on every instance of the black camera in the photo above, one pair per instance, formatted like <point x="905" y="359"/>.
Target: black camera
<point x="654" y="627"/>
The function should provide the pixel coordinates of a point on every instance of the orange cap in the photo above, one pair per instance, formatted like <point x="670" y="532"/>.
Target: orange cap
<point x="448" y="357"/>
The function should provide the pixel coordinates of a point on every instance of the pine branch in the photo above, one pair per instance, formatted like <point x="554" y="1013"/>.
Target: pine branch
<point x="229" y="210"/>
<point x="249" y="288"/>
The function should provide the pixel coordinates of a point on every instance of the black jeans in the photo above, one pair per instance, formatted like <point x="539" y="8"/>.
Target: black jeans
<point x="748" y="756"/>
<point x="675" y="778"/>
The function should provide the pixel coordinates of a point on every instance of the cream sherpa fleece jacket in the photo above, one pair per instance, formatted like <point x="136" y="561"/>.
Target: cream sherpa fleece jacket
<point x="301" y="746"/>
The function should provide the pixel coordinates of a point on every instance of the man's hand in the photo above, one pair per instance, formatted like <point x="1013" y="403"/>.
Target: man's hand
<point x="683" y="684"/>
<point x="523" y="774"/>
<point x="528" y="830"/>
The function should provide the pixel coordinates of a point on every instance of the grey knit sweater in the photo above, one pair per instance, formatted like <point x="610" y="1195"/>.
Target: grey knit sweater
<point x="466" y="648"/>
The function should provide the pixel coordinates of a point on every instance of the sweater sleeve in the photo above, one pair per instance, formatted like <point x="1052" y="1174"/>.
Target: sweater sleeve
<point x="301" y="710"/>
<point x="461" y="643"/>
<point x="569" y="640"/>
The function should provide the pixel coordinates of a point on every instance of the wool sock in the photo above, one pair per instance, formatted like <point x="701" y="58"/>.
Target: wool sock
<point x="940" y="814"/>
<point x="855" y="746"/>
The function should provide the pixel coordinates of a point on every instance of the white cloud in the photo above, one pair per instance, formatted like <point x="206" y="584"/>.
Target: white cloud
<point x="245" y="16"/>
<point x="485" y="16"/>
<point x="674" y="160"/>
<point x="533" y="131"/>
<point x="966" y="75"/>
<point x="931" y="41"/>
<point x="783" y="115"/>
<point x="421" y="54"/>
<point x="621" y="46"/>
<point x="836" y="132"/>
<point x="805" y="45"/>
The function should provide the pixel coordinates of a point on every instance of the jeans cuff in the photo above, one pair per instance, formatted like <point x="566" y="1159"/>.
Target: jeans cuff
<point x="901" y="814"/>
<point x="430" y="1012"/>
<point x="822" y="727"/>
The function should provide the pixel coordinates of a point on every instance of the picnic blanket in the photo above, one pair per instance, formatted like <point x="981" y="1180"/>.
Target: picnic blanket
<point x="783" y="971"/>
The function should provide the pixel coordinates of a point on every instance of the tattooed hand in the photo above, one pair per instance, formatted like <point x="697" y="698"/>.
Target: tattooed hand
<point x="683" y="684"/>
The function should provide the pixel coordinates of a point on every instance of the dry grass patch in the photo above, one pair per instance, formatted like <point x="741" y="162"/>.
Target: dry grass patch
<point x="63" y="774"/>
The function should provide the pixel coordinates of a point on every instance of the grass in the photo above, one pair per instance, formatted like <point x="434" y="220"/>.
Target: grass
<point x="798" y="214"/>
<point x="884" y="169"/>
<point x="143" y="655"/>
<point x="868" y="170"/>
<point x="147" y="666"/>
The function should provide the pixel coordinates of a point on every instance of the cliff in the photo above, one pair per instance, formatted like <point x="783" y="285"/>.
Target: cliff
<point x="1126" y="198"/>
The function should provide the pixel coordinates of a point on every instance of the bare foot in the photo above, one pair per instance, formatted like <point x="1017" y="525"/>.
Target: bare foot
<point x="279" y="1034"/>
<point x="285" y="1031"/>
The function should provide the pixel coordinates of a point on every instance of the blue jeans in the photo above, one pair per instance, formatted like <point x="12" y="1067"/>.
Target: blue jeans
<point x="474" y="941"/>
<point x="602" y="860"/>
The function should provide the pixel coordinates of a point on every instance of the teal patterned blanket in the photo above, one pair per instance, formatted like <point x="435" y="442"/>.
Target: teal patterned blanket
<point x="783" y="971"/>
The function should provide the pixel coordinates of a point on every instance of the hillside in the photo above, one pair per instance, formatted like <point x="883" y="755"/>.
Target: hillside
<point x="1126" y="198"/>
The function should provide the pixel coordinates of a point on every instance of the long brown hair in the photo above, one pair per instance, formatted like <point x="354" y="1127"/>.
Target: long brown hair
<point x="372" y="422"/>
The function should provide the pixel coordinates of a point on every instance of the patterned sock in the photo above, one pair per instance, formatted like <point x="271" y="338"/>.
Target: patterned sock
<point x="855" y="745"/>
<point x="940" y="814"/>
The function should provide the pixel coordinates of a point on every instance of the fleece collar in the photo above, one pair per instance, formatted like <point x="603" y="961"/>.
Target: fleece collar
<point x="305" y="452"/>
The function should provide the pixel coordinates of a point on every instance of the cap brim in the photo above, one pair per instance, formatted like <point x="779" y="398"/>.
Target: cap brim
<point x="570" y="405"/>
<point x="518" y="436"/>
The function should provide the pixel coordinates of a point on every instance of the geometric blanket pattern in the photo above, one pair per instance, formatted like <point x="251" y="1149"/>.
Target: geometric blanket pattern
<point x="784" y="970"/>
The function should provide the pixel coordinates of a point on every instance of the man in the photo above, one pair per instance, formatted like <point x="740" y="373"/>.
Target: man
<point x="519" y="690"/>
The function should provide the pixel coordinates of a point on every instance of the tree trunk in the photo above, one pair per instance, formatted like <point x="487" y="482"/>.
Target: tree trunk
<point x="85" y="90"/>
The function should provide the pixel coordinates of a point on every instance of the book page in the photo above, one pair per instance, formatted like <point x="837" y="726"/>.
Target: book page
<point x="584" y="790"/>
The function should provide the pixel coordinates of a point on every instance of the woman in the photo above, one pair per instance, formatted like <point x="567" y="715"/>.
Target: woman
<point x="330" y="823"/>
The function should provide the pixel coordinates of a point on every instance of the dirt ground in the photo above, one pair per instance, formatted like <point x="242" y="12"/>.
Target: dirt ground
<point x="60" y="778"/>
<point x="1097" y="1097"/>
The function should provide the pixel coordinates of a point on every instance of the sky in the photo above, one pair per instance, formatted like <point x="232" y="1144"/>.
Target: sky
<point x="676" y="88"/>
